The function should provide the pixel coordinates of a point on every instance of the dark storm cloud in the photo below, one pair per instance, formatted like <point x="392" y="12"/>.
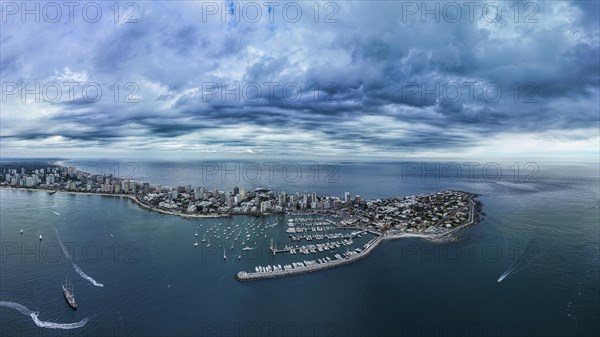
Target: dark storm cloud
<point x="366" y="81"/>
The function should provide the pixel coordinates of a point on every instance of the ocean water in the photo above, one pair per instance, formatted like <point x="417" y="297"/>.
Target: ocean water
<point x="137" y="272"/>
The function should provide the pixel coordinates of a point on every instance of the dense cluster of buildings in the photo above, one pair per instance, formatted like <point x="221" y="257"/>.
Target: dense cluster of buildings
<point x="428" y="213"/>
<point x="421" y="213"/>
<point x="183" y="198"/>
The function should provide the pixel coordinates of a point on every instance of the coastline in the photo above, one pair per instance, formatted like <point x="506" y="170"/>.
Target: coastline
<point x="254" y="276"/>
<point x="128" y="196"/>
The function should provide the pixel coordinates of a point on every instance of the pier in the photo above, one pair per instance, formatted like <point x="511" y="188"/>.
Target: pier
<point x="311" y="249"/>
<point x="311" y="267"/>
<point x="327" y="236"/>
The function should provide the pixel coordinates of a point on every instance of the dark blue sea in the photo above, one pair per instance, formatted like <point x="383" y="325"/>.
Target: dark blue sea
<point x="137" y="272"/>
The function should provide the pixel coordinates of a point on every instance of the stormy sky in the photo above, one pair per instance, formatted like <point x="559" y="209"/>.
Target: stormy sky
<point x="385" y="79"/>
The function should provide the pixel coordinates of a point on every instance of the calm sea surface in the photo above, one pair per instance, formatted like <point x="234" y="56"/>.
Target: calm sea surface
<point x="137" y="272"/>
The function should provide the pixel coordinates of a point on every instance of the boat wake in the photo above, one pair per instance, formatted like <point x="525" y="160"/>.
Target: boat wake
<point x="76" y="267"/>
<point x="523" y="261"/>
<point x="86" y="276"/>
<point x="55" y="212"/>
<point x="42" y="324"/>
<point x="506" y="273"/>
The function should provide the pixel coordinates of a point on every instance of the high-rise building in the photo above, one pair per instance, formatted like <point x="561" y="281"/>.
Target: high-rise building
<point x="337" y="204"/>
<point x="198" y="193"/>
<point x="347" y="199"/>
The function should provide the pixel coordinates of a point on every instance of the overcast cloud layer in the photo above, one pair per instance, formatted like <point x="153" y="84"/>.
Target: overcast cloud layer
<point x="362" y="79"/>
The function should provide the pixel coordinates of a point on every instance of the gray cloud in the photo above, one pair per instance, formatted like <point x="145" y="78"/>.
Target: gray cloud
<point x="364" y="69"/>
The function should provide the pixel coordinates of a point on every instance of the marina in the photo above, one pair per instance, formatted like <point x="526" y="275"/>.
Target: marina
<point x="309" y="266"/>
<point x="351" y="255"/>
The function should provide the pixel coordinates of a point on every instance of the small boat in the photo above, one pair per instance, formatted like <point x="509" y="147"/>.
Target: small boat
<point x="196" y="233"/>
<point x="208" y="244"/>
<point x="196" y="243"/>
<point x="52" y="192"/>
<point x="40" y="237"/>
<point x="247" y="248"/>
<point x="224" y="256"/>
<point x="204" y="238"/>
<point x="69" y="294"/>
<point x="21" y="232"/>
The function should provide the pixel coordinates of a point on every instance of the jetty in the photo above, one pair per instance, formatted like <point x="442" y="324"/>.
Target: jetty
<point x="303" y="267"/>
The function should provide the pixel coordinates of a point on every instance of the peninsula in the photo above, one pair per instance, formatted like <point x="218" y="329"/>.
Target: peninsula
<point x="427" y="216"/>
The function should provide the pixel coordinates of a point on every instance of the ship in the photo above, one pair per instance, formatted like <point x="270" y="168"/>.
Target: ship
<point x="69" y="294"/>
